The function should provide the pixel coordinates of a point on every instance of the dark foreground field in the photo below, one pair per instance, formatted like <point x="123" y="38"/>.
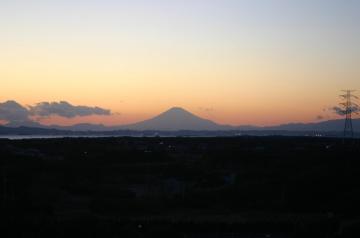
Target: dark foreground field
<point x="180" y="187"/>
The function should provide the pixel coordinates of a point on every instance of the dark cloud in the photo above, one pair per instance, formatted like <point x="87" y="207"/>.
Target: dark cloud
<point x="320" y="117"/>
<point x="340" y="111"/>
<point x="15" y="114"/>
<point x="12" y="111"/>
<point x="65" y="109"/>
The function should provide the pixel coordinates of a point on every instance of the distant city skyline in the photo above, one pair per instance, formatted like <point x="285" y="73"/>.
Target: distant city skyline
<point x="234" y="62"/>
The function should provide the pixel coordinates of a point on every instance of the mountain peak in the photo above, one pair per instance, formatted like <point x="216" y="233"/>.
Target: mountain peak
<point x="177" y="113"/>
<point x="176" y="118"/>
<point x="177" y="109"/>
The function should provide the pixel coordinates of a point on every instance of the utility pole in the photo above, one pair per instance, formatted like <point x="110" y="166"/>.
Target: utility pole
<point x="348" y="109"/>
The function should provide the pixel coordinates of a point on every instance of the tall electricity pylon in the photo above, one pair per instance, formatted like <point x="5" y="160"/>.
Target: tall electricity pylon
<point x="349" y="108"/>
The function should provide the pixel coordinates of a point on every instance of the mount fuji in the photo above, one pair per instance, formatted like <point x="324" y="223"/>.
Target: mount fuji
<point x="176" y="119"/>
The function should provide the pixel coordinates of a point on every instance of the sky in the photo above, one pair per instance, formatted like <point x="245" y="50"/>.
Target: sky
<point x="259" y="62"/>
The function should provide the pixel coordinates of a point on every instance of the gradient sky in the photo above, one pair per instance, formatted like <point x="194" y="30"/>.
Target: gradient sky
<point x="259" y="62"/>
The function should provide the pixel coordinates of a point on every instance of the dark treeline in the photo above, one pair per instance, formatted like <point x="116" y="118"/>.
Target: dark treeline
<point x="180" y="187"/>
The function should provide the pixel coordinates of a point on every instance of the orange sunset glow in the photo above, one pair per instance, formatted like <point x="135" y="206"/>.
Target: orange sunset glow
<point x="212" y="58"/>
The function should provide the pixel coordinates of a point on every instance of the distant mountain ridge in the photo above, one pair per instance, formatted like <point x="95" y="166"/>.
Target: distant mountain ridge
<point x="178" y="119"/>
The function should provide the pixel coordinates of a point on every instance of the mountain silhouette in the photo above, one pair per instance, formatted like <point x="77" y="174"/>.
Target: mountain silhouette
<point x="176" y="119"/>
<point x="84" y="127"/>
